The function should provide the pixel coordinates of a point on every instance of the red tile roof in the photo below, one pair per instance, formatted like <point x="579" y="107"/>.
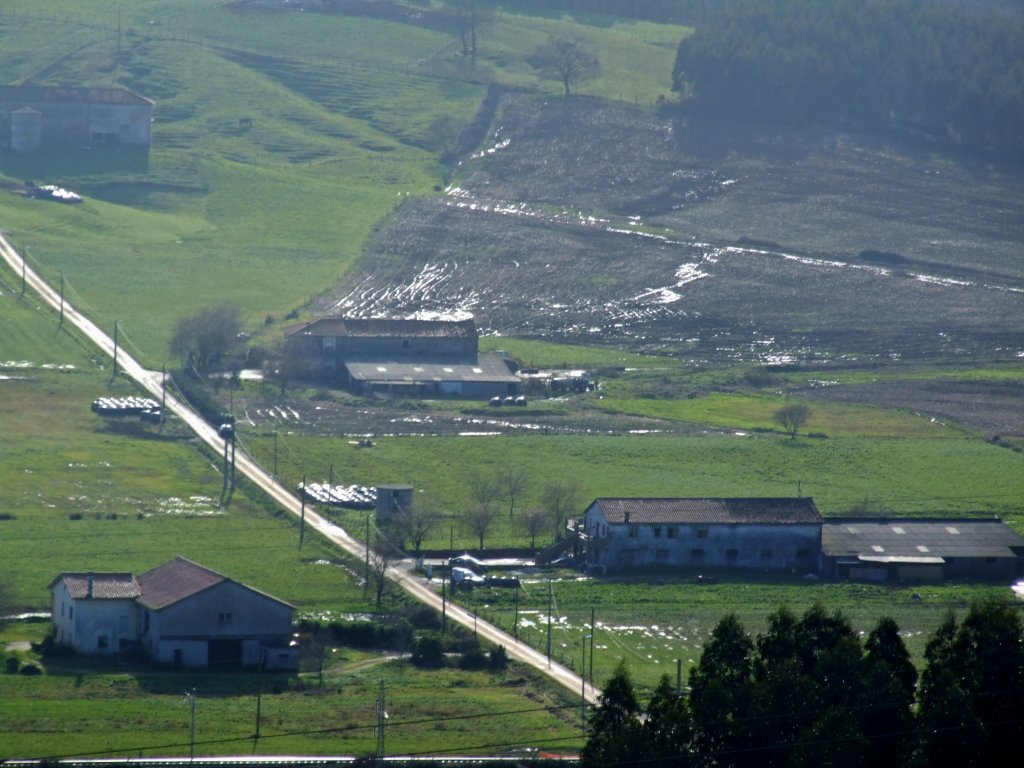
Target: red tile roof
<point x="105" y="586"/>
<point x="175" y="580"/>
<point x="752" y="511"/>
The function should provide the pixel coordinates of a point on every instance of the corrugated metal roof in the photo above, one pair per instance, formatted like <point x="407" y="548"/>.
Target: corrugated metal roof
<point x="175" y="580"/>
<point x="747" y="511"/>
<point x="912" y="538"/>
<point x="385" y="327"/>
<point x="105" y="586"/>
<point x="61" y="95"/>
<point x="489" y="368"/>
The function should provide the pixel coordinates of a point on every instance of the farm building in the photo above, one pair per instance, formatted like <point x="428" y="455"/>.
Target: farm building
<point x="772" y="533"/>
<point x="179" y="613"/>
<point x="32" y="116"/>
<point x="885" y="549"/>
<point x="407" y="357"/>
<point x="95" y="613"/>
<point x="487" y="377"/>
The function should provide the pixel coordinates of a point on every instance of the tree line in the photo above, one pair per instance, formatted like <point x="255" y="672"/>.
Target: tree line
<point x="808" y="692"/>
<point x="951" y="71"/>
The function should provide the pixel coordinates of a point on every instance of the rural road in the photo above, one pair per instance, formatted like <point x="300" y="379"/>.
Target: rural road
<point x="400" y="573"/>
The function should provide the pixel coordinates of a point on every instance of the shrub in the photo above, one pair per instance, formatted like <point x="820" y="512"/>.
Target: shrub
<point x="75" y="516"/>
<point x="30" y="669"/>
<point x="473" y="660"/>
<point x="12" y="664"/>
<point x="498" y="661"/>
<point x="9" y="516"/>
<point x="428" y="652"/>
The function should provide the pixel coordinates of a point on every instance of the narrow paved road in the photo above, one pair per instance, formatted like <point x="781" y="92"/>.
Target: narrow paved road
<point x="400" y="573"/>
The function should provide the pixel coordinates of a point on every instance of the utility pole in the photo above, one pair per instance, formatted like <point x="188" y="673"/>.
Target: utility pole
<point x="444" y="607"/>
<point x="366" y="574"/>
<point x="583" y="685"/>
<point x="550" y="596"/>
<point x="382" y="718"/>
<point x="192" y="740"/>
<point x="117" y="324"/>
<point x="591" y="647"/>
<point x="302" y="518"/>
<point x="259" y="690"/>
<point x="275" y="456"/>
<point x="515" y="620"/>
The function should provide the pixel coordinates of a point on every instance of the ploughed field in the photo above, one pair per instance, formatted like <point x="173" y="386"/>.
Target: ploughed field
<point x="596" y="223"/>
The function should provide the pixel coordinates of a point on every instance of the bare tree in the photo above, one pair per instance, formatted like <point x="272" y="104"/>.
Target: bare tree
<point x="479" y="518"/>
<point x="534" y="521"/>
<point x="513" y="482"/>
<point x="792" y="417"/>
<point x="205" y="337"/>
<point x="382" y="553"/>
<point x="558" y="499"/>
<point x="484" y="489"/>
<point x="416" y="522"/>
<point x="471" y="17"/>
<point x="568" y="61"/>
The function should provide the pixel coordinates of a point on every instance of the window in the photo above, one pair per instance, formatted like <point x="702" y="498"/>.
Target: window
<point x="697" y="552"/>
<point x="225" y="617"/>
<point x="672" y="531"/>
<point x="102" y="642"/>
<point x="732" y="553"/>
<point x="702" y="533"/>
<point x="633" y="532"/>
<point x="657" y="531"/>
<point x="767" y="553"/>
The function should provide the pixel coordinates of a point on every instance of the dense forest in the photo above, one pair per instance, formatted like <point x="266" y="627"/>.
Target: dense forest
<point x="809" y="692"/>
<point x="945" y="70"/>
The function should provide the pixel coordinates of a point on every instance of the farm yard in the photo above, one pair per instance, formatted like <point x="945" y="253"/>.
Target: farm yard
<point x="704" y="272"/>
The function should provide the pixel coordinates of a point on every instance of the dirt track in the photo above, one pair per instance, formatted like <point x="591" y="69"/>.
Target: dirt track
<point x="606" y="224"/>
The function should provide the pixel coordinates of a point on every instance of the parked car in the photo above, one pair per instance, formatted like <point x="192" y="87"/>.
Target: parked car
<point x="466" y="579"/>
<point x="468" y="561"/>
<point x="511" y="582"/>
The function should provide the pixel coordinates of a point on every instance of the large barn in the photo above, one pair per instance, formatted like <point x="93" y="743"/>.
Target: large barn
<point x="398" y="357"/>
<point x="34" y="116"/>
<point x="764" y="533"/>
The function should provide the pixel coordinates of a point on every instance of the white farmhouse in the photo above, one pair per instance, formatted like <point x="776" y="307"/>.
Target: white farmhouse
<point x="95" y="613"/>
<point x="179" y="613"/>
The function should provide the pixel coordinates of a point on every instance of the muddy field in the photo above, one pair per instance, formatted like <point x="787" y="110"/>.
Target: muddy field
<point x="592" y="223"/>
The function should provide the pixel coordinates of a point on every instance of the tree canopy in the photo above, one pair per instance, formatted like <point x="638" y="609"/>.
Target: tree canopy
<point x="808" y="692"/>
<point x="953" y="71"/>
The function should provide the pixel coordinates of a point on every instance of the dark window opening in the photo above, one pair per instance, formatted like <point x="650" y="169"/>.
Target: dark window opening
<point x="697" y="552"/>
<point x="673" y="532"/>
<point x="732" y="553"/>
<point x="657" y="531"/>
<point x="702" y="533"/>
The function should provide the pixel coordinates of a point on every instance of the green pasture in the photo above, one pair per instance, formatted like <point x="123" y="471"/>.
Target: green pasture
<point x="913" y="475"/>
<point x="734" y="410"/>
<point x="79" y="707"/>
<point x="81" y="492"/>
<point x="267" y="216"/>
<point x="652" y="622"/>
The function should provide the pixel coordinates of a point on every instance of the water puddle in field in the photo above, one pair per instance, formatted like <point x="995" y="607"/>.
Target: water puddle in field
<point x="193" y="506"/>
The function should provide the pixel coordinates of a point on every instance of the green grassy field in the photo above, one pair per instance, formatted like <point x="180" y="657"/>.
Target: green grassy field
<point x="267" y="217"/>
<point x="81" y="707"/>
<point x="651" y="622"/>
